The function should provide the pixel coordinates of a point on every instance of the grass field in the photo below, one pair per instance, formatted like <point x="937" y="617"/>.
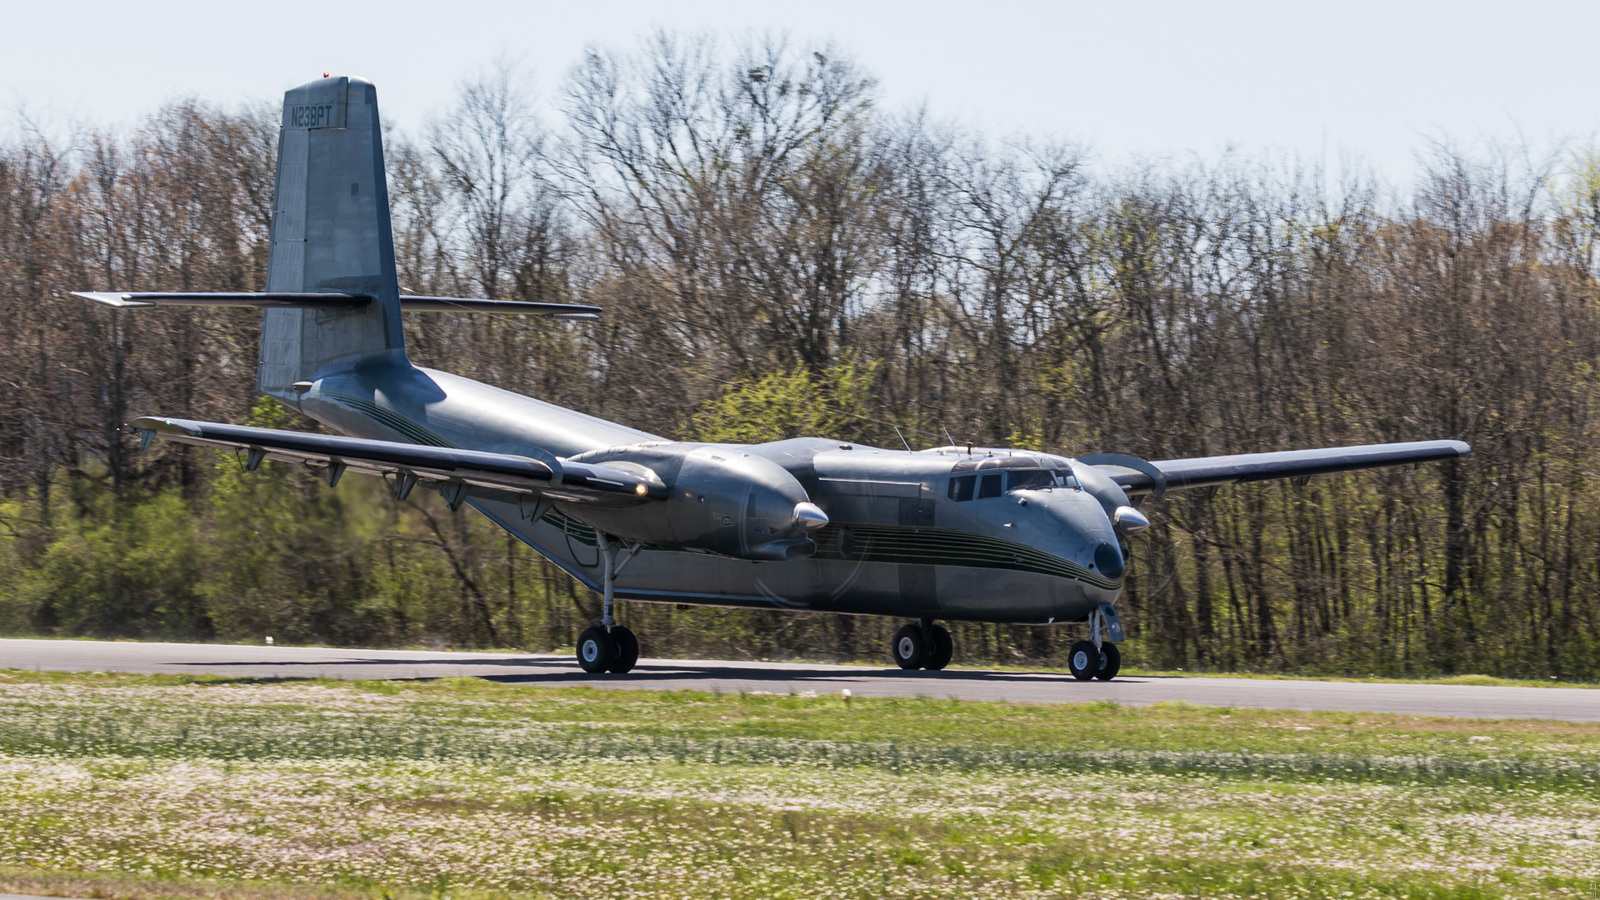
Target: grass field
<point x="128" y="786"/>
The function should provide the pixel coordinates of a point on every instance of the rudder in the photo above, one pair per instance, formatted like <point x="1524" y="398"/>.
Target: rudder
<point x="330" y="232"/>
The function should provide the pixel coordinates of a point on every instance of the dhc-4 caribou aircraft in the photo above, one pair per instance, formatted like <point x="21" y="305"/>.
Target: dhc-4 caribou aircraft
<point x="954" y="533"/>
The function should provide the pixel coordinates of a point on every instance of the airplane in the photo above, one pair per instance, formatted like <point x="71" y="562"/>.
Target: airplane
<point x="957" y="533"/>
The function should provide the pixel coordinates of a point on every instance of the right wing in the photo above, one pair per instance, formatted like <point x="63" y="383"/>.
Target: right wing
<point x="450" y="470"/>
<point x="1137" y="477"/>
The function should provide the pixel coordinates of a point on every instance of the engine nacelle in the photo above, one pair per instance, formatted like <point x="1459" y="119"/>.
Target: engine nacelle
<point x="720" y="500"/>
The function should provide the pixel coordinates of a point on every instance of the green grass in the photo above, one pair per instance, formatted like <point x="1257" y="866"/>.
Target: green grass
<point x="134" y="786"/>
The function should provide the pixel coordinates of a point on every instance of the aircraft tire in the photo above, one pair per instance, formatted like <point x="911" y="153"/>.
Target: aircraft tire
<point x="1083" y="660"/>
<point x="627" y="650"/>
<point x="908" y="648"/>
<point x="1110" y="661"/>
<point x="596" y="649"/>
<point x="943" y="648"/>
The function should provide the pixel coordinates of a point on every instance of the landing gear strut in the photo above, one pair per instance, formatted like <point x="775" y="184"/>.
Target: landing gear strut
<point x="609" y="646"/>
<point x="923" y="645"/>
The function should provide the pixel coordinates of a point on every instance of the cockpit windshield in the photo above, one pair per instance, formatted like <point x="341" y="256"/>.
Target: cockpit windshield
<point x="988" y="484"/>
<point x="1038" y="479"/>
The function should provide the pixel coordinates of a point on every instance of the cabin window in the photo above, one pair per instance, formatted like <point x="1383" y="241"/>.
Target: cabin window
<point x="989" y="486"/>
<point x="961" y="487"/>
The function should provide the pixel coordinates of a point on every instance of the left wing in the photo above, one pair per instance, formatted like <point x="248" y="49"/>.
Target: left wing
<point x="1137" y="477"/>
<point x="448" y="469"/>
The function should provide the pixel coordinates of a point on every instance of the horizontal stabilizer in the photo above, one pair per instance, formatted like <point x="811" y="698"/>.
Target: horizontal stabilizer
<point x="550" y="476"/>
<point x="409" y="303"/>
<point x="334" y="300"/>
<point x="146" y="299"/>
<point x="1214" y="470"/>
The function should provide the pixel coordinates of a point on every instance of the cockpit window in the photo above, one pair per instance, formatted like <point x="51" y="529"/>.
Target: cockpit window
<point x="1038" y="479"/>
<point x="990" y="484"/>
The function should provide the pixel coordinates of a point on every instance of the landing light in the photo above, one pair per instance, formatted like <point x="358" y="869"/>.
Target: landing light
<point x="640" y="489"/>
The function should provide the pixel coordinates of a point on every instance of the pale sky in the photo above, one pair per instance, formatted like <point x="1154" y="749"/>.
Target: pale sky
<point x="1369" y="81"/>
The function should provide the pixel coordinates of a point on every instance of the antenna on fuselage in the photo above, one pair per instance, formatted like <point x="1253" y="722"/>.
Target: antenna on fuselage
<point x="947" y="435"/>
<point x="901" y="437"/>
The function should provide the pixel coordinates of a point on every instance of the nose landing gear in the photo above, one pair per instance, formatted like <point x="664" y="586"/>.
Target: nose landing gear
<point x="923" y="645"/>
<point x="1097" y="657"/>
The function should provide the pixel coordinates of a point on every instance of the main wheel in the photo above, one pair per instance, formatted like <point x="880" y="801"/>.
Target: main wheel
<point x="907" y="647"/>
<point x="596" y="650"/>
<point x="1083" y="660"/>
<point x="941" y="651"/>
<point x="1110" y="661"/>
<point x="628" y="650"/>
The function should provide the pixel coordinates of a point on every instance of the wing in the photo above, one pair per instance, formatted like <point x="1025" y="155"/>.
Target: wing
<point x="450" y="470"/>
<point x="1136" y="476"/>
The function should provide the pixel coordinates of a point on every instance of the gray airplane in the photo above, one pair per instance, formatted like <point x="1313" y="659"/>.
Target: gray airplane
<point x="955" y="533"/>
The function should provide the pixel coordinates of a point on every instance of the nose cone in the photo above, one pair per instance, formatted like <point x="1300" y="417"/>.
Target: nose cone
<point x="1108" y="560"/>
<point x="809" y="517"/>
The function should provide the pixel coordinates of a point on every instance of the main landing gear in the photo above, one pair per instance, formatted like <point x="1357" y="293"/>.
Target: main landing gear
<point x="1096" y="657"/>
<point x="609" y="647"/>
<point x="923" y="645"/>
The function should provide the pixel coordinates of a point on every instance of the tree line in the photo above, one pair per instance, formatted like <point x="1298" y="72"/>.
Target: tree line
<point x="777" y="255"/>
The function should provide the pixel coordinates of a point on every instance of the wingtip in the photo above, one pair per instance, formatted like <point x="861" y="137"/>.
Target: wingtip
<point x="166" y="426"/>
<point x="113" y="299"/>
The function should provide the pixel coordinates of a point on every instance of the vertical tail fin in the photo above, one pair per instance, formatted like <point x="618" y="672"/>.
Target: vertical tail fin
<point x="330" y="232"/>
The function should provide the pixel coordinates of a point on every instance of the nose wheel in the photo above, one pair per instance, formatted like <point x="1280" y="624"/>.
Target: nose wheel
<point x="1083" y="661"/>
<point x="1087" y="663"/>
<point x="1110" y="662"/>
<point x="923" y="645"/>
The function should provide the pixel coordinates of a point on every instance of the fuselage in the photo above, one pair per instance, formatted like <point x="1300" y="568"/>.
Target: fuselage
<point x="984" y="535"/>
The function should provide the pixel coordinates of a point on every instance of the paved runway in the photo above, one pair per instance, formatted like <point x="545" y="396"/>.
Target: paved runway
<point x="728" y="677"/>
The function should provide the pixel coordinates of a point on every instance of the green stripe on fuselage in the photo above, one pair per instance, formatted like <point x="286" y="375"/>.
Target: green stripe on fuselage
<point x="941" y="547"/>
<point x="388" y="418"/>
